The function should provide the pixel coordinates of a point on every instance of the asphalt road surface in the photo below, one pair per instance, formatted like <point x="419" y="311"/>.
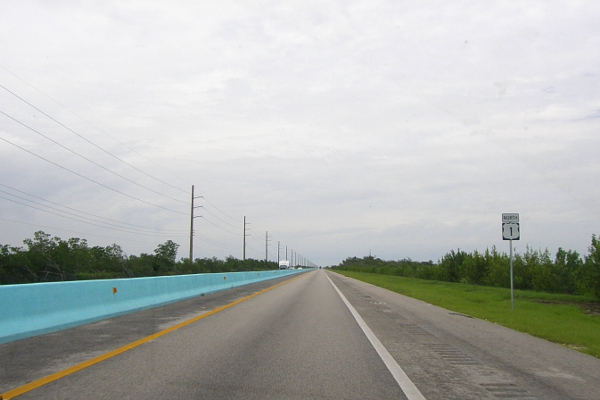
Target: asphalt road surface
<point x="300" y="340"/>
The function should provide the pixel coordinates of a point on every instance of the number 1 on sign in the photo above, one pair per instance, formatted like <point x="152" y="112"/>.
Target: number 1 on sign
<point x="511" y="231"/>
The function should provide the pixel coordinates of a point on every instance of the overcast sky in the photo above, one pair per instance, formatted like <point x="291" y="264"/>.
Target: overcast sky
<point x="397" y="128"/>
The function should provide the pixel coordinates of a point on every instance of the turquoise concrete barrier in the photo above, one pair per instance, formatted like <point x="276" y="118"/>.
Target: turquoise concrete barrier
<point x="38" y="308"/>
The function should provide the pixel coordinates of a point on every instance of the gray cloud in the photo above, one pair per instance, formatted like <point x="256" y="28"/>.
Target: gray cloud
<point x="401" y="128"/>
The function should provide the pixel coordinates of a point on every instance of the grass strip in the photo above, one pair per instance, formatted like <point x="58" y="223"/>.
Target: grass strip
<point x="571" y="321"/>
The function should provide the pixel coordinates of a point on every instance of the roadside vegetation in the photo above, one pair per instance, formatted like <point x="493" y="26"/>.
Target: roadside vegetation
<point x="556" y="298"/>
<point x="569" y="320"/>
<point x="566" y="273"/>
<point x="47" y="259"/>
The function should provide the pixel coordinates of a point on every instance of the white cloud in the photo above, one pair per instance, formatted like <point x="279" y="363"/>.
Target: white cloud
<point x="404" y="128"/>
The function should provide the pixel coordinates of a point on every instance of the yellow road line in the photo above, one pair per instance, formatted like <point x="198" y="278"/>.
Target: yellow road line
<point x="71" y="370"/>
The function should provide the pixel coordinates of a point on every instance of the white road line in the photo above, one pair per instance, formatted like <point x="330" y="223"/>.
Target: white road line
<point x="407" y="386"/>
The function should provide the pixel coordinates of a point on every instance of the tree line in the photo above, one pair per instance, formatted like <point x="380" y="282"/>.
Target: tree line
<point x="49" y="259"/>
<point x="567" y="272"/>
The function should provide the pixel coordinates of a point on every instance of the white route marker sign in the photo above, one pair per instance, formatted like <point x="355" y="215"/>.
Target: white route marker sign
<point x="511" y="231"/>
<point x="510" y="226"/>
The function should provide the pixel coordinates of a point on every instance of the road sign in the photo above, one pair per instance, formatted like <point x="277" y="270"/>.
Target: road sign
<point x="510" y="217"/>
<point x="510" y="226"/>
<point x="511" y="231"/>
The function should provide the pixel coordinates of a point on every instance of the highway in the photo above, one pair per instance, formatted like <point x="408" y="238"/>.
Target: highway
<point x="298" y="338"/>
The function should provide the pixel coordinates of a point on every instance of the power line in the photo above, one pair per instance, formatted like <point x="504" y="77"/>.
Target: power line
<point x="254" y="250"/>
<point x="225" y="222"/>
<point x="227" y="215"/>
<point x="214" y="242"/>
<point x="100" y="130"/>
<point x="102" y="219"/>
<point x="223" y="229"/>
<point x="87" y="159"/>
<point x="169" y="231"/>
<point x="70" y="230"/>
<point x="259" y="241"/>
<point x="89" y="179"/>
<point x="74" y="219"/>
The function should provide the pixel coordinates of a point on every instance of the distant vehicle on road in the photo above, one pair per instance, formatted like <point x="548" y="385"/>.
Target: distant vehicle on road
<point x="284" y="264"/>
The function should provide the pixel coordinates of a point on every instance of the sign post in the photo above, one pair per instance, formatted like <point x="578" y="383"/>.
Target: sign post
<point x="511" y="230"/>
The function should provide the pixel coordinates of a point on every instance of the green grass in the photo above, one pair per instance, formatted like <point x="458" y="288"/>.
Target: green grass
<point x="561" y="319"/>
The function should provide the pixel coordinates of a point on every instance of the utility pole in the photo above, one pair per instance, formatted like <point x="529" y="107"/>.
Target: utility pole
<point x="278" y="247"/>
<point x="192" y="226"/>
<point x="286" y="253"/>
<point x="267" y="247"/>
<point x="244" y="238"/>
